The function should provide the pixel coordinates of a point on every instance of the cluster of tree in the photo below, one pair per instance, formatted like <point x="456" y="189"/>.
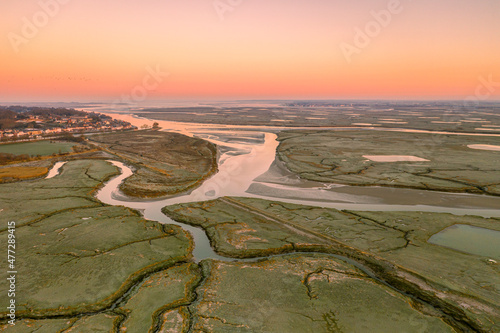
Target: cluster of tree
<point x="7" y="118"/>
<point x="15" y="138"/>
<point x="70" y="137"/>
<point x="155" y="126"/>
<point x="6" y="158"/>
<point x="82" y="148"/>
<point x="44" y="111"/>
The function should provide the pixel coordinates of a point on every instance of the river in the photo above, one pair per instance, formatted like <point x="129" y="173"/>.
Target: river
<point x="248" y="168"/>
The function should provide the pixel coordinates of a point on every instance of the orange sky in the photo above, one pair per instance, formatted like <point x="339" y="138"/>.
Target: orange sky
<point x="92" y="50"/>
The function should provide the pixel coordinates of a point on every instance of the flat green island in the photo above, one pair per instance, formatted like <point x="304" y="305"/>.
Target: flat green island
<point x="166" y="163"/>
<point x="443" y="162"/>
<point x="461" y="289"/>
<point x="78" y="260"/>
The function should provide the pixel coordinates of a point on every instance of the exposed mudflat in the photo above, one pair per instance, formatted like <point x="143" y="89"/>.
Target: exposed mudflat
<point x="443" y="163"/>
<point x="485" y="147"/>
<point x="432" y="116"/>
<point x="394" y="158"/>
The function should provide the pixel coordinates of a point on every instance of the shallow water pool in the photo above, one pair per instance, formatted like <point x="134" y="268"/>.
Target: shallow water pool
<point x="469" y="239"/>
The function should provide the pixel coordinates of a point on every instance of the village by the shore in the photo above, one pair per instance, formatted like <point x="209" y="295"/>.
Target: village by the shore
<point x="32" y="124"/>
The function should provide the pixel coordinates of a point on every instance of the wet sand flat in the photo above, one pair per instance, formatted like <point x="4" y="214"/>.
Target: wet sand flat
<point x="485" y="147"/>
<point x="394" y="158"/>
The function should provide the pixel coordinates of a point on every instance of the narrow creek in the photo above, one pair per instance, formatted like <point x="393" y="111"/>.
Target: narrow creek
<point x="247" y="161"/>
<point x="151" y="210"/>
<point x="248" y="168"/>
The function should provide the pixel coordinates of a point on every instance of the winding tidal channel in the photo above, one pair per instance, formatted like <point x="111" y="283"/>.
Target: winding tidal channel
<point x="248" y="168"/>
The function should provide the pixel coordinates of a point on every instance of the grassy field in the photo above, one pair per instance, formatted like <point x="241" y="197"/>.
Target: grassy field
<point x="42" y="148"/>
<point x="166" y="163"/>
<point x="22" y="172"/>
<point x="302" y="293"/>
<point x="78" y="256"/>
<point x="393" y="244"/>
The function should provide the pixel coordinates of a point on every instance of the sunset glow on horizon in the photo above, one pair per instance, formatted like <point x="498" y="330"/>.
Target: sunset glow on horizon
<point x="90" y="50"/>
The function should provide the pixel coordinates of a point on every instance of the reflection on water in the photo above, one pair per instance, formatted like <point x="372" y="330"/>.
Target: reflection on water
<point x="247" y="168"/>
<point x="109" y="194"/>
<point x="188" y="128"/>
<point x="470" y="239"/>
